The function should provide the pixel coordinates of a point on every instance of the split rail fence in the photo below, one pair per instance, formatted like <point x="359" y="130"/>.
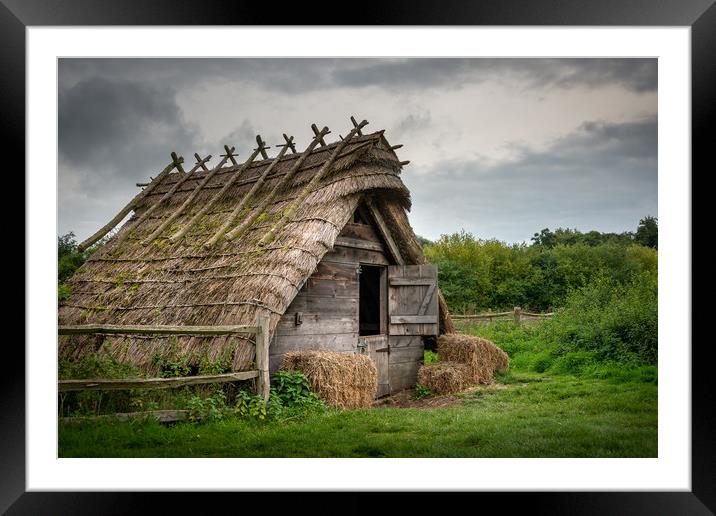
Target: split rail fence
<point x="517" y="315"/>
<point x="261" y="373"/>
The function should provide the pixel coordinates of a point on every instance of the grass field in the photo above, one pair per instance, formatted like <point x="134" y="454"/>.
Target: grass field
<point x="529" y="415"/>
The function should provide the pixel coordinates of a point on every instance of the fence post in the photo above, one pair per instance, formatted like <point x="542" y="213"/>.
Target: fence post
<point x="518" y="315"/>
<point x="262" y="356"/>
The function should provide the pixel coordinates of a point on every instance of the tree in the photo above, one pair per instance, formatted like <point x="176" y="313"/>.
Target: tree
<point x="647" y="233"/>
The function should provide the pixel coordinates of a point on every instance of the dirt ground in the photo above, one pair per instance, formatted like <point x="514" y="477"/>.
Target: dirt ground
<point x="403" y="399"/>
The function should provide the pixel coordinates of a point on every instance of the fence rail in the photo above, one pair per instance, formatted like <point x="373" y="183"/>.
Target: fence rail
<point x="260" y="329"/>
<point x="517" y="314"/>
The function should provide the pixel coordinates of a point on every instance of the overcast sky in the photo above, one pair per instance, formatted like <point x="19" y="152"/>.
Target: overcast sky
<point x="498" y="147"/>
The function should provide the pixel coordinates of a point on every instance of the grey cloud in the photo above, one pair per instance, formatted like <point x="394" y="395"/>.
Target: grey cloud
<point x="99" y="119"/>
<point x="298" y="75"/>
<point x="595" y="178"/>
<point x="634" y="74"/>
<point x="413" y="122"/>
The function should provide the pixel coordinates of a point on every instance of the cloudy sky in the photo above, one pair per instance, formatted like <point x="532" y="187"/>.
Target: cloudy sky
<point x="498" y="147"/>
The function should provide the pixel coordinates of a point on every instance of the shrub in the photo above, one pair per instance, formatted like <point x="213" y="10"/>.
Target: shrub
<point x="421" y="392"/>
<point x="291" y="396"/>
<point x="429" y="357"/>
<point x="250" y="406"/>
<point x="211" y="408"/>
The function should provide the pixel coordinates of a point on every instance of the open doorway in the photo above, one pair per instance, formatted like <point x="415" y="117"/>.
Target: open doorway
<point x="372" y="298"/>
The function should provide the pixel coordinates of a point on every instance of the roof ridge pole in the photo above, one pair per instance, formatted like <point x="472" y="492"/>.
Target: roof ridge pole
<point x="131" y="204"/>
<point x="183" y="231"/>
<point x="188" y="200"/>
<point x="298" y="202"/>
<point x="239" y="207"/>
<point x="201" y="163"/>
<point x="241" y="229"/>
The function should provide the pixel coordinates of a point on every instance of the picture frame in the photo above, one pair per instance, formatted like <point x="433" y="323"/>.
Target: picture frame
<point x="15" y="16"/>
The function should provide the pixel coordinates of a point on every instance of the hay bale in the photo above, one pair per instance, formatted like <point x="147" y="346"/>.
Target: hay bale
<point x="481" y="356"/>
<point x="343" y="380"/>
<point x="444" y="377"/>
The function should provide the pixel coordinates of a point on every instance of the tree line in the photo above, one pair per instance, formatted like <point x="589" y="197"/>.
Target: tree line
<point x="487" y="274"/>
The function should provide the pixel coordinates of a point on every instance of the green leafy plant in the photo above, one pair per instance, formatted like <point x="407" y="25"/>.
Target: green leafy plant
<point x="211" y="408"/>
<point x="250" y="406"/>
<point x="421" y="392"/>
<point x="429" y="357"/>
<point x="291" y="397"/>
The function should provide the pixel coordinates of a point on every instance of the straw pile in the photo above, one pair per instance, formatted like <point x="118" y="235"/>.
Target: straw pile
<point x="343" y="380"/>
<point x="481" y="356"/>
<point x="443" y="377"/>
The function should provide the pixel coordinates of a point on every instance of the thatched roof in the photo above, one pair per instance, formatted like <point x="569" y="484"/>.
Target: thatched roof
<point x="136" y="278"/>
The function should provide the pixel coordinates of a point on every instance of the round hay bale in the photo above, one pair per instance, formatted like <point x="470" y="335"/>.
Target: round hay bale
<point x="339" y="379"/>
<point x="444" y="377"/>
<point x="481" y="356"/>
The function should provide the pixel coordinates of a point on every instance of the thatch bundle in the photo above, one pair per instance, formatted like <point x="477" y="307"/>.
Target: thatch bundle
<point x="340" y="379"/>
<point x="444" y="377"/>
<point x="481" y="356"/>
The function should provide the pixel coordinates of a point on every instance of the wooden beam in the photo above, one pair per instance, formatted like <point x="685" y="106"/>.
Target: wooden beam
<point x="107" y="384"/>
<point x="262" y="356"/>
<point x="165" y="197"/>
<point x="396" y="147"/>
<point x="262" y="146"/>
<point x="163" y="416"/>
<point x="230" y="154"/>
<point x="119" y="329"/>
<point x="289" y="142"/>
<point x="403" y="163"/>
<point x="258" y="210"/>
<point x="255" y="188"/>
<point x="385" y="232"/>
<point x="412" y="281"/>
<point x="289" y="213"/>
<point x="187" y="202"/>
<point x="177" y="162"/>
<point x="355" y="124"/>
<point x="428" y="297"/>
<point x="208" y="205"/>
<point x="319" y="135"/>
<point x="129" y="207"/>
<point x="202" y="163"/>
<point x="359" y="244"/>
<point x="413" y="319"/>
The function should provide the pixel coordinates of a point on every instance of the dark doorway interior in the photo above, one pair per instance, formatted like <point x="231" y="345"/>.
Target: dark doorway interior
<point x="370" y="299"/>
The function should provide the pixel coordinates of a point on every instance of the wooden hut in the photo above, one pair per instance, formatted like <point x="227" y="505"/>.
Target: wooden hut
<point x="319" y="241"/>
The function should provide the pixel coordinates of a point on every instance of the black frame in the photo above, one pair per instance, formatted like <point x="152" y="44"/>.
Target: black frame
<point x="700" y="15"/>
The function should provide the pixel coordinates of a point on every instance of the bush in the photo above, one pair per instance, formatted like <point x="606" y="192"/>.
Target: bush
<point x="616" y="322"/>
<point x="603" y="322"/>
<point x="421" y="392"/>
<point x="478" y="275"/>
<point x="291" y="396"/>
<point x="429" y="357"/>
<point x="211" y="408"/>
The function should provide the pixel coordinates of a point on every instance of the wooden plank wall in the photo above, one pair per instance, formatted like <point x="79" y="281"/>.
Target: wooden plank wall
<point x="328" y="302"/>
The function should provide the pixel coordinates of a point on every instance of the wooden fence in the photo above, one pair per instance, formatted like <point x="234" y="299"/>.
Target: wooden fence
<point x="261" y="373"/>
<point x="517" y="315"/>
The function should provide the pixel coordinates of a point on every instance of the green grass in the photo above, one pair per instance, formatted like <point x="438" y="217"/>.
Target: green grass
<point x="550" y="403"/>
<point x="535" y="416"/>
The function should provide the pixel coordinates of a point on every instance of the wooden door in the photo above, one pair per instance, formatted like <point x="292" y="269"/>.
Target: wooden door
<point x="376" y="347"/>
<point x="412" y="300"/>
